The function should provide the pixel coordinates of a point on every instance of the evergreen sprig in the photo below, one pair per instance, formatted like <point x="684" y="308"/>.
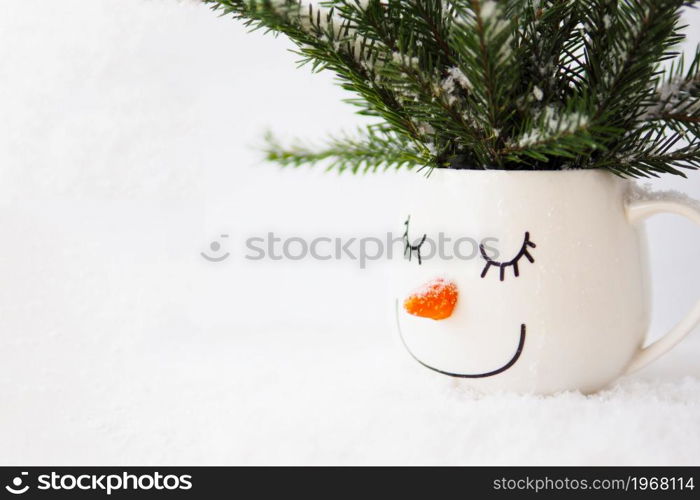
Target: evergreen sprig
<point x="509" y="84"/>
<point x="371" y="149"/>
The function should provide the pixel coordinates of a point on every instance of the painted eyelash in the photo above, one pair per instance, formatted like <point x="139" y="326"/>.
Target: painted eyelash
<point x="407" y="247"/>
<point x="524" y="252"/>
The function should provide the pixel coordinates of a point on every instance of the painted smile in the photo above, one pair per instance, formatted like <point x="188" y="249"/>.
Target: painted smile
<point x="513" y="360"/>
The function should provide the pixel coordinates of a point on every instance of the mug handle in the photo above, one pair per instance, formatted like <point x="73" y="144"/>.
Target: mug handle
<point x="638" y="211"/>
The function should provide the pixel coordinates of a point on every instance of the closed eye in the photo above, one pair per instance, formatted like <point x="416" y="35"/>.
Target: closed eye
<point x="409" y="249"/>
<point x="524" y="252"/>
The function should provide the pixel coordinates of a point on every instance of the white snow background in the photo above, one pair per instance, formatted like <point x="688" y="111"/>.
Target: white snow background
<point x="127" y="144"/>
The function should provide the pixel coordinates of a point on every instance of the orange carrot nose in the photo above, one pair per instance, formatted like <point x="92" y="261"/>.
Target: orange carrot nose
<point x="435" y="300"/>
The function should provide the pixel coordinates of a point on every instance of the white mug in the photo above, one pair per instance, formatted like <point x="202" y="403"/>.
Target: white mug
<point x="540" y="283"/>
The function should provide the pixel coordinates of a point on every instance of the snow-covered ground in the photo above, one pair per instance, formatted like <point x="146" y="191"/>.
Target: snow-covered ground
<point x="127" y="145"/>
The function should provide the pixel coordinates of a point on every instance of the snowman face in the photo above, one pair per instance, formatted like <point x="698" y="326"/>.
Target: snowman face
<point x="447" y="307"/>
<point x="564" y="302"/>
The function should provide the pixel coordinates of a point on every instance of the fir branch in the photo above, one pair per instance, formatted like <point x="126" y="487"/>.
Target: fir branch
<point x="483" y="38"/>
<point x="676" y="98"/>
<point x="369" y="150"/>
<point x="642" y="33"/>
<point x="655" y="160"/>
<point x="513" y="84"/>
<point x="325" y="42"/>
<point x="413" y="34"/>
<point x="550" y="50"/>
<point x="567" y="134"/>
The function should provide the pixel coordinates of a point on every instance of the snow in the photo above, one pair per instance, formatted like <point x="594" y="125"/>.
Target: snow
<point x="607" y="21"/>
<point x="313" y="15"/>
<point x="433" y="287"/>
<point x="537" y="93"/>
<point x="489" y="9"/>
<point x="491" y="15"/>
<point x="647" y="192"/>
<point x="319" y="20"/>
<point x="449" y="84"/>
<point x="127" y="146"/>
<point x="458" y="76"/>
<point x="404" y="60"/>
<point x="551" y="123"/>
<point x="672" y="96"/>
<point x="426" y="129"/>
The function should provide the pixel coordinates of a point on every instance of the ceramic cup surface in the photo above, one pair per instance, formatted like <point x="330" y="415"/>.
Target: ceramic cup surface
<point x="557" y="298"/>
